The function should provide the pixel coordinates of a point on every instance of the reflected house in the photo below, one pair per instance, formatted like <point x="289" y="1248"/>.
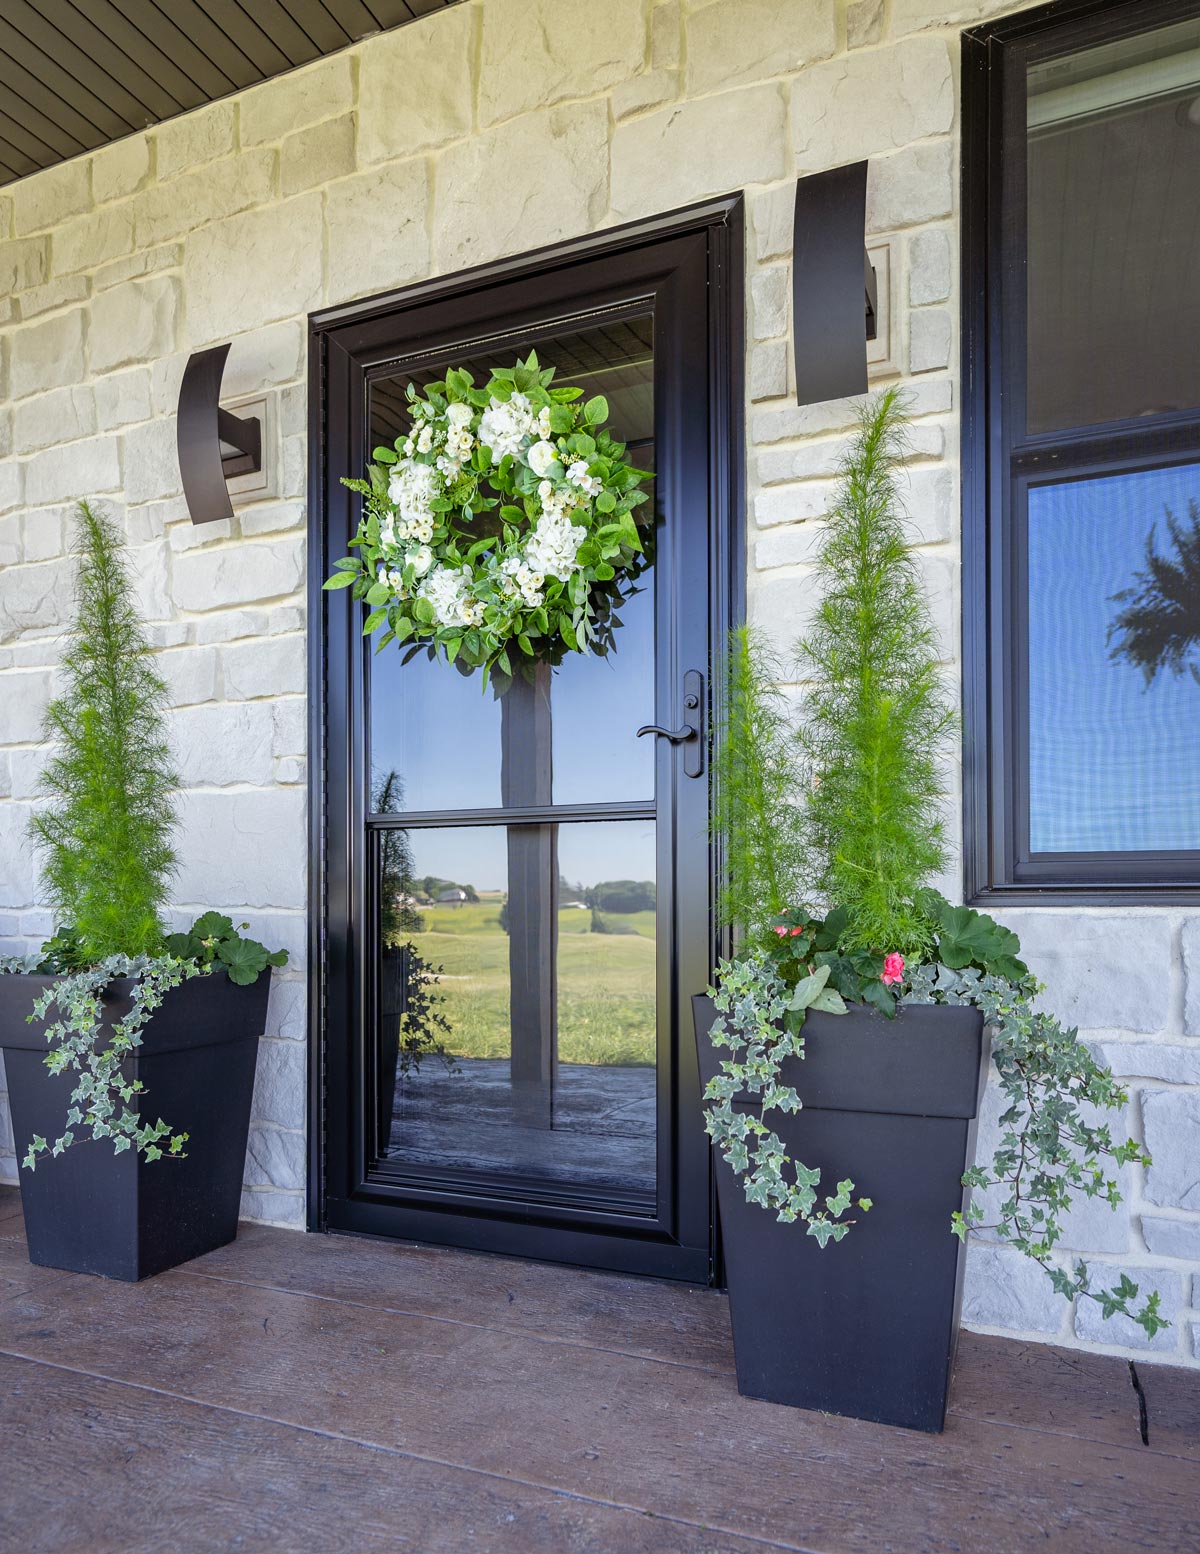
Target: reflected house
<point x="452" y="898"/>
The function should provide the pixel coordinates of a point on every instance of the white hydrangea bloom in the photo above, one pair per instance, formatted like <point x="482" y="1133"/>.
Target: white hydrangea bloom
<point x="552" y="547"/>
<point x="412" y="487"/>
<point x="505" y="426"/>
<point x="448" y="590"/>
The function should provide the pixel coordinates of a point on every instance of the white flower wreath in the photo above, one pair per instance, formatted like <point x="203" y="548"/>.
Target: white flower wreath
<point x="504" y="517"/>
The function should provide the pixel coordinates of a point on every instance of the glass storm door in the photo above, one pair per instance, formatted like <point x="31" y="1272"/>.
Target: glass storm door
<point x="517" y="887"/>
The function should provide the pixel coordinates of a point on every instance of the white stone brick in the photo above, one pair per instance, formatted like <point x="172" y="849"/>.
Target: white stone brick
<point x="788" y="545"/>
<point x="533" y="181"/>
<point x="262" y="1207"/>
<point x="538" y="52"/>
<point x="930" y="332"/>
<point x="294" y="471"/>
<point x="122" y="398"/>
<point x="864" y="23"/>
<point x="1179" y="1238"/>
<point x="92" y="240"/>
<point x="770" y="292"/>
<point x="271" y="517"/>
<point x="290" y="715"/>
<point x="867" y="104"/>
<point x="1170" y="1062"/>
<point x="23" y="698"/>
<point x="47" y="355"/>
<point x="641" y="93"/>
<point x="243" y="846"/>
<point x="793" y="504"/>
<point x="270" y="666"/>
<point x="6" y="431"/>
<point x="911" y="15"/>
<point x="655" y="161"/>
<point x="316" y="155"/>
<point x="785" y="422"/>
<point x="1093" y="1327"/>
<point x="1191" y="967"/>
<point x="666" y="35"/>
<point x="253" y="269"/>
<point x="47" y="198"/>
<point x="928" y="497"/>
<point x="910" y="187"/>
<point x="148" y="522"/>
<point x="769" y="370"/>
<point x="151" y="462"/>
<point x="199" y="136"/>
<point x="730" y="42"/>
<point x="24" y="262"/>
<point x="167" y="211"/>
<point x="66" y="474"/>
<point x="287" y="1009"/>
<point x="263" y="359"/>
<point x="58" y="417"/>
<point x="132" y="323"/>
<point x="1171" y="1127"/>
<point x="17" y="873"/>
<point x="148" y="570"/>
<point x="12" y="484"/>
<point x="774" y="217"/>
<point x="238" y="574"/>
<point x="289" y="102"/>
<point x="395" y="197"/>
<point x="438" y="51"/>
<point x="1004" y="1289"/>
<point x="120" y="169"/>
<point x="275" y="1157"/>
<point x="929" y="266"/>
<point x="1071" y="954"/>
<point x="147" y="261"/>
<point x="290" y="768"/>
<point x="53" y="296"/>
<point x="190" y="673"/>
<point x="280" y="1085"/>
<point x="811" y="460"/>
<point x="222" y="745"/>
<point x="192" y="536"/>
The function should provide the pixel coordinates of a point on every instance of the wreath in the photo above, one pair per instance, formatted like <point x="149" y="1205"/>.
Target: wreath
<point x="500" y="531"/>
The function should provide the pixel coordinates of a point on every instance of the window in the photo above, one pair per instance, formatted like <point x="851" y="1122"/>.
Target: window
<point x="1082" y="454"/>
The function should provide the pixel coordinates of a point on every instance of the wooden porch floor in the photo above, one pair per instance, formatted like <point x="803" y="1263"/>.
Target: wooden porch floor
<point x="314" y="1395"/>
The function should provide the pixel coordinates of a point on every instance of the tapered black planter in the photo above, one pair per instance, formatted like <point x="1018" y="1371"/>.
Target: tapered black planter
<point x="93" y="1211"/>
<point x="866" y="1326"/>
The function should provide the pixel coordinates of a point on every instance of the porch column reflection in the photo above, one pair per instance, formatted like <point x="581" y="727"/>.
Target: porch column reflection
<point x="525" y="778"/>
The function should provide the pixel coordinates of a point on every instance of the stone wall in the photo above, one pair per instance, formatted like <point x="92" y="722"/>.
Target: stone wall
<point x="485" y="130"/>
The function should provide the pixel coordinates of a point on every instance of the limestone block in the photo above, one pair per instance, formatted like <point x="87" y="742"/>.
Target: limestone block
<point x="770" y="292"/>
<point x="438" y="52"/>
<point x="230" y="625"/>
<point x="929" y="499"/>
<point x="253" y="269"/>
<point x="53" y="296"/>
<point x="641" y="93"/>
<point x="275" y="1157"/>
<point x="656" y="160"/>
<point x="190" y="673"/>
<point x="120" y="169"/>
<point x="167" y="211"/>
<point x="536" y="53"/>
<point x="26" y="768"/>
<point x="391" y="204"/>
<point x="290" y="768"/>
<point x="1172" y="1237"/>
<point x="1004" y="1289"/>
<point x="769" y="370"/>
<point x="58" y="417"/>
<point x="271" y="517"/>
<point x="929" y="266"/>
<point x="1191" y="970"/>
<point x="666" y="35"/>
<point x="930" y="333"/>
<point x="47" y="355"/>
<point x="80" y="469"/>
<point x="811" y="460"/>
<point x="910" y="187"/>
<point x="533" y="181"/>
<point x="17" y="873"/>
<point x="1093" y="1328"/>
<point x="317" y="155"/>
<point x="793" y="504"/>
<point x="219" y="745"/>
<point x="782" y="608"/>
<point x="280" y="1084"/>
<point x="270" y="666"/>
<point x="284" y="1209"/>
<point x="148" y="261"/>
<point x="864" y="23"/>
<point x="734" y="41"/>
<point x="151" y="462"/>
<point x="911" y="15"/>
<point x="1171" y="1063"/>
<point x="47" y="198"/>
<point x="773" y="213"/>
<point x="191" y="536"/>
<point x="23" y="697"/>
<point x="24" y="262"/>
<point x="132" y="323"/>
<point x="238" y="574"/>
<point x="788" y="545"/>
<point x="863" y="105"/>
<point x="92" y="240"/>
<point x="792" y="421"/>
<point x="290" y="715"/>
<point x="287" y="1011"/>
<point x="263" y="359"/>
<point x="199" y="136"/>
<point x="1171" y="1128"/>
<point x="1072" y="953"/>
<point x="323" y="90"/>
<point x="294" y="475"/>
<point x="12" y="485"/>
<point x="6" y="431"/>
<point x="148" y="566"/>
<point x="122" y="398"/>
<point x="245" y="846"/>
<point x="146" y="523"/>
<point x="280" y="931"/>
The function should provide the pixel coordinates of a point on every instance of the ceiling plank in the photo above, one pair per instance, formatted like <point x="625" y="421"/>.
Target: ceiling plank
<point x="37" y="103"/>
<point x="391" y="13"/>
<point x="98" y="52"/>
<point x="320" y="24"/>
<point x="17" y="161"/>
<point x="39" y="151"/>
<point x="159" y="46"/>
<point x="243" y="33"/>
<point x="54" y="139"/>
<point x="58" y="77"/>
<point x="100" y="85"/>
<point x="274" y="19"/>
<point x="354" y="16"/>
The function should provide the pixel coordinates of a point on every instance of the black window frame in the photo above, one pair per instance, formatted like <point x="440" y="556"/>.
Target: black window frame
<point x="1000" y="460"/>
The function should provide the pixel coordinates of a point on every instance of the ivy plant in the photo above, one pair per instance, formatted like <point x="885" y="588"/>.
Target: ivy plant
<point x="212" y="940"/>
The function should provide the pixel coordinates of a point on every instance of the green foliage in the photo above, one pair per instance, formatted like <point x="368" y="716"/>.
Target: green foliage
<point x="104" y="1104"/>
<point x="756" y="816"/>
<point x="876" y="715"/>
<point x="212" y="940"/>
<point x="105" y="838"/>
<point x="1157" y="628"/>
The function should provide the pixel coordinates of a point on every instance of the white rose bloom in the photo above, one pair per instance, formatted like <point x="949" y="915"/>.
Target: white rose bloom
<point x="540" y="457"/>
<point x="458" y="415"/>
<point x="420" y="560"/>
<point x="425" y="439"/>
<point x="543" y="421"/>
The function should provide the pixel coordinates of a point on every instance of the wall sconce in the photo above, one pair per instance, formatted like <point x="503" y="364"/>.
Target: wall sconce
<point x="835" y="299"/>
<point x="214" y="444"/>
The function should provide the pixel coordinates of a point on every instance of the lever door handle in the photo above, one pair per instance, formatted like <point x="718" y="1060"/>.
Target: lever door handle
<point x="677" y="736"/>
<point x="690" y="735"/>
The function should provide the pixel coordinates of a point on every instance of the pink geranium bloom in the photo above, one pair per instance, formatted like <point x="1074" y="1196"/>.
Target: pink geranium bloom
<point x="780" y="930"/>
<point x="893" y="968"/>
<point x="795" y="931"/>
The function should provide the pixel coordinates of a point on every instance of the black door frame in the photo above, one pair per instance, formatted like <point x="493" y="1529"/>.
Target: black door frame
<point x="338" y="338"/>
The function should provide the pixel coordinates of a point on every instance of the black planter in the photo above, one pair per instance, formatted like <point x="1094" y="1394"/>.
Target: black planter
<point x="866" y="1326"/>
<point x="93" y="1211"/>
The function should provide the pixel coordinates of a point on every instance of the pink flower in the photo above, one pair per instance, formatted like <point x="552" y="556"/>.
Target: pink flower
<point x="780" y="930"/>
<point x="893" y="968"/>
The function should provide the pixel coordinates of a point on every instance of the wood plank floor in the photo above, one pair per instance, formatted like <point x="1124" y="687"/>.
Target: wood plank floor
<point x="307" y="1393"/>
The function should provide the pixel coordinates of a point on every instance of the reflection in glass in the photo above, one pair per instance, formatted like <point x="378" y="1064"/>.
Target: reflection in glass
<point x="538" y="944"/>
<point x="1114" y="230"/>
<point x="1114" y="702"/>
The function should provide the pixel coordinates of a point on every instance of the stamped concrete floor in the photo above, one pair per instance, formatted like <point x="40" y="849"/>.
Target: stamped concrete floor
<point x="322" y="1395"/>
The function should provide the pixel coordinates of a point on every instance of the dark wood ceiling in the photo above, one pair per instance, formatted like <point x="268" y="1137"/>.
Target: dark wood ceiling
<point x="76" y="74"/>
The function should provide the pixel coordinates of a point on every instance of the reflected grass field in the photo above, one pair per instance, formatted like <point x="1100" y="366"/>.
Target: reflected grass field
<point x="606" y="983"/>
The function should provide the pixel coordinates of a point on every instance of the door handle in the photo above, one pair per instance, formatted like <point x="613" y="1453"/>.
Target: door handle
<point x="690" y="735"/>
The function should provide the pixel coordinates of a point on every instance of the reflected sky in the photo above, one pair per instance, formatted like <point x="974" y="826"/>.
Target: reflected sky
<point x="1114" y="762"/>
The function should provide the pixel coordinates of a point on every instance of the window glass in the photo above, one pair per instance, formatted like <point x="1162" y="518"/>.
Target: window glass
<point x="1114" y="231"/>
<point x="1114" y="662"/>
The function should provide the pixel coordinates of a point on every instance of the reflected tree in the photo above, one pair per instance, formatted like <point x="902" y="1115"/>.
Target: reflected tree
<point x="1158" y="626"/>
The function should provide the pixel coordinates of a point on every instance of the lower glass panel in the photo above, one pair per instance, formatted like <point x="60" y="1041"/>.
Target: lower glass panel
<point x="516" y="1037"/>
